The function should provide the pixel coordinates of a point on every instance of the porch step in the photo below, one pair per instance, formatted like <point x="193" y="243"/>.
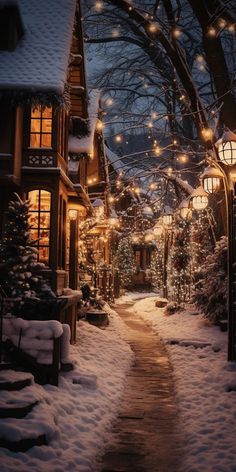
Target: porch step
<point x="14" y="380"/>
<point x="28" y="418"/>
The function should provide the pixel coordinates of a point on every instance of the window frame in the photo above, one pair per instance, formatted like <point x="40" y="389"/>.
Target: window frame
<point x="41" y="133"/>
<point x="38" y="227"/>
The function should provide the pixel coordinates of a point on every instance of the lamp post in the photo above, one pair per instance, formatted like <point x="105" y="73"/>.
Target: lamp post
<point x="114" y="222"/>
<point x="167" y="221"/>
<point x="225" y="169"/>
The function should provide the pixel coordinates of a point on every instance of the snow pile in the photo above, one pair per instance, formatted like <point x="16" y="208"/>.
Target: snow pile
<point x="36" y="337"/>
<point x="86" y="403"/>
<point x="85" y="144"/>
<point x="205" y="384"/>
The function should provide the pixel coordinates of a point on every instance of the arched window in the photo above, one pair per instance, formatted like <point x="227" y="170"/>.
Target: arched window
<point x="41" y="127"/>
<point x="40" y="218"/>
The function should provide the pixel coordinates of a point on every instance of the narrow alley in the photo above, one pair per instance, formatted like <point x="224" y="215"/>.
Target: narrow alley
<point x="146" y="437"/>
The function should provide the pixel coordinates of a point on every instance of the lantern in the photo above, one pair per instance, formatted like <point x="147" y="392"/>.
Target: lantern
<point x="211" y="179"/>
<point x="184" y="210"/>
<point x="167" y="215"/>
<point x="99" y="208"/>
<point x="199" y="199"/>
<point x="227" y="148"/>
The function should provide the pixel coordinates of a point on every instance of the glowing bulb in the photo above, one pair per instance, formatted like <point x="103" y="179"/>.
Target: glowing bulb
<point x="211" y="31"/>
<point x="115" y="33"/>
<point x="150" y="124"/>
<point x="109" y="101"/>
<point x="98" y="5"/>
<point x="157" y="151"/>
<point x="182" y="158"/>
<point x="176" y="32"/>
<point x="118" y="138"/>
<point x="99" y="125"/>
<point x="153" y="27"/>
<point x="207" y="134"/>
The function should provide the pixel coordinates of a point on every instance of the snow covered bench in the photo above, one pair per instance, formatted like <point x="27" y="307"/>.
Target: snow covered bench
<point x="42" y="345"/>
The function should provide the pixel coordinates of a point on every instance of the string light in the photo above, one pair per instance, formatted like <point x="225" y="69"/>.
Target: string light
<point x="153" y="27"/>
<point x="207" y="134"/>
<point x="118" y="138"/>
<point x="98" y="5"/>
<point x="157" y="150"/>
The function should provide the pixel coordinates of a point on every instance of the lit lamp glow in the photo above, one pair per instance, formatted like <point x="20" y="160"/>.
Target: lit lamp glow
<point x="199" y="199"/>
<point x="73" y="214"/>
<point x="211" y="179"/>
<point x="99" y="208"/>
<point x="227" y="148"/>
<point x="167" y="216"/>
<point x="184" y="210"/>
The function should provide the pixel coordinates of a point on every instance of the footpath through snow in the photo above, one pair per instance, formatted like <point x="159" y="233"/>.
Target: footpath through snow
<point x="87" y="400"/>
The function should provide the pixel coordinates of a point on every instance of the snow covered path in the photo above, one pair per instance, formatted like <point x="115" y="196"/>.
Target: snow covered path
<point x="146" y="436"/>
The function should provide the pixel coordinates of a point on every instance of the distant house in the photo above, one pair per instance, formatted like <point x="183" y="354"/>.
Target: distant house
<point x="43" y="108"/>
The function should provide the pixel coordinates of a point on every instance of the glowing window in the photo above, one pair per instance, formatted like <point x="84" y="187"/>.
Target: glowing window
<point x="40" y="213"/>
<point x="41" y="127"/>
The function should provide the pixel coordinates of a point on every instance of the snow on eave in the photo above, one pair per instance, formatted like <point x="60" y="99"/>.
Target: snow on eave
<point x="85" y="144"/>
<point x="113" y="159"/>
<point x="40" y="61"/>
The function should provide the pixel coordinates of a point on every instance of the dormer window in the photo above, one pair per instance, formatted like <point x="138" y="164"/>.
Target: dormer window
<point x="41" y="127"/>
<point x="11" y="27"/>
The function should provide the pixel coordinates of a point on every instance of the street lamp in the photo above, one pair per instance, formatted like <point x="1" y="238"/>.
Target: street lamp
<point x="226" y="147"/>
<point x="99" y="208"/>
<point x="211" y="179"/>
<point x="167" y="216"/>
<point x="199" y="199"/>
<point x="185" y="210"/>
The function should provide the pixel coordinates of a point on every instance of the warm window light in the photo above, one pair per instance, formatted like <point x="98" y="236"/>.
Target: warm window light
<point x="227" y="148"/>
<point x="199" y="199"/>
<point x="211" y="179"/>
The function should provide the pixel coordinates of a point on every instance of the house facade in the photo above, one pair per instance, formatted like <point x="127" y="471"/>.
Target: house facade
<point x="43" y="107"/>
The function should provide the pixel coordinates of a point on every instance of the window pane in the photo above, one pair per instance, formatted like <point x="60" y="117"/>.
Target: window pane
<point x="45" y="200"/>
<point x="44" y="220"/>
<point x="44" y="254"/>
<point x="46" y="140"/>
<point x="35" y="140"/>
<point x="33" y="196"/>
<point x="35" y="126"/>
<point x="33" y="220"/>
<point x="46" y="126"/>
<point x="47" y="112"/>
<point x="44" y="237"/>
<point x="36" y="112"/>
<point x="34" y="234"/>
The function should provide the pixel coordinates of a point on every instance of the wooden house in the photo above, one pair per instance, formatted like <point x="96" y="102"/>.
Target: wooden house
<point x="43" y="107"/>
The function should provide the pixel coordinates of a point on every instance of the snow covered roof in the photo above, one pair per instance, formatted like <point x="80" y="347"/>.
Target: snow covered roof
<point x="85" y="144"/>
<point x="40" y="60"/>
<point x="113" y="159"/>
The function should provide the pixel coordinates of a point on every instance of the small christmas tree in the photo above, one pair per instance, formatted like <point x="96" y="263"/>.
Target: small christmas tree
<point x="157" y="265"/>
<point x="124" y="261"/>
<point x="19" y="269"/>
<point x="210" y="291"/>
<point x="179" y="262"/>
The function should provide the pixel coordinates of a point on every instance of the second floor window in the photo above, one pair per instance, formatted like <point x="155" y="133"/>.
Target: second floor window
<point x="41" y="127"/>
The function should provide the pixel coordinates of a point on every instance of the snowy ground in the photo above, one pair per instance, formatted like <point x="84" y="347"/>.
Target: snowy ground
<point x="86" y="409"/>
<point x="203" y="382"/>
